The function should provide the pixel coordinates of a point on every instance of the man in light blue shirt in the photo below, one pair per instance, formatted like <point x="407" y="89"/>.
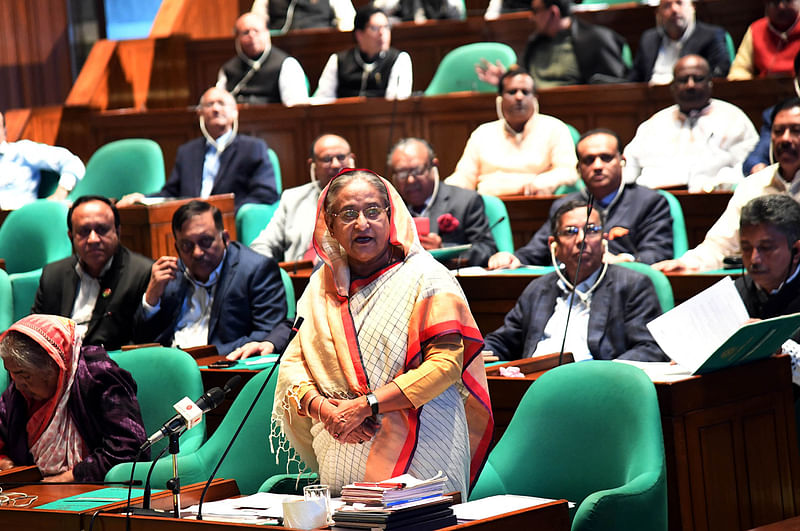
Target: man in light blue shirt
<point x="20" y="170"/>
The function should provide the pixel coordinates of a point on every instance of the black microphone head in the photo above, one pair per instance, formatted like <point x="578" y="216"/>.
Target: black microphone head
<point x="297" y="324"/>
<point x="231" y="384"/>
<point x="211" y="399"/>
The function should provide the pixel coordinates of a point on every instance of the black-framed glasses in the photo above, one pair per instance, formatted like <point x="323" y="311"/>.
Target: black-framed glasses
<point x="327" y="159"/>
<point x="205" y="243"/>
<point x="402" y="175"/>
<point x="349" y="215"/>
<point x="86" y="230"/>
<point x="569" y="232"/>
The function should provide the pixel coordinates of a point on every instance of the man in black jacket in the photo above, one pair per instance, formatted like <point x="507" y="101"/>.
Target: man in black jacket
<point x="102" y="283"/>
<point x="677" y="34"/>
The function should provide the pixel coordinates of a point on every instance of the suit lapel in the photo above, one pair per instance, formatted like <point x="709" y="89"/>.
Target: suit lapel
<point x="226" y="276"/>
<point x="598" y="316"/>
<point x="107" y="281"/>
<point x="69" y="287"/>
<point x="224" y="161"/>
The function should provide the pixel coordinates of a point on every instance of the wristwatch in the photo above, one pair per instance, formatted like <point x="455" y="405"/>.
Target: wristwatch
<point x="372" y="401"/>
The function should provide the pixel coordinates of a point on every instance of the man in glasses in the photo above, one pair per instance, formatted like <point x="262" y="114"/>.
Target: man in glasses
<point x="453" y="215"/>
<point x="700" y="142"/>
<point x="217" y="292"/>
<point x="638" y="221"/>
<point x="101" y="284"/>
<point x="610" y="304"/>
<point x="287" y="237"/>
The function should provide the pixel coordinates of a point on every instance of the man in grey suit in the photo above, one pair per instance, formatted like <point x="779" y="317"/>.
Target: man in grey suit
<point x="455" y="215"/>
<point x="610" y="305"/>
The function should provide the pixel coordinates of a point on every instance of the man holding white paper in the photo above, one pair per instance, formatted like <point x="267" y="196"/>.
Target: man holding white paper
<point x="769" y="234"/>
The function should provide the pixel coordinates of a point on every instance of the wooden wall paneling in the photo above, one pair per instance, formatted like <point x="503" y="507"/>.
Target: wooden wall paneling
<point x="169" y="80"/>
<point x="35" y="66"/>
<point x="99" y="74"/>
<point x="205" y="57"/>
<point x="196" y="18"/>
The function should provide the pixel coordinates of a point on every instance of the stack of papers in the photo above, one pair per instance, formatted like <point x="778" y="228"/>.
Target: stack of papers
<point x="403" y="502"/>
<point x="260" y="508"/>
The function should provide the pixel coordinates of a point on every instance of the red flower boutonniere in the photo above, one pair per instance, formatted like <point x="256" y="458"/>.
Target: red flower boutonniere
<point x="447" y="223"/>
<point x="106" y="293"/>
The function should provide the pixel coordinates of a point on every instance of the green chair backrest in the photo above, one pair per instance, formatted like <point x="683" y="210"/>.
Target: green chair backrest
<point x="627" y="56"/>
<point x="276" y="166"/>
<point x="35" y="235"/>
<point x="251" y="219"/>
<point x="589" y="432"/>
<point x="569" y="188"/>
<point x="680" y="241"/>
<point x="456" y="72"/>
<point x="291" y="301"/>
<point x="4" y="378"/>
<point x="250" y="460"/>
<point x="164" y="376"/>
<point x="573" y="131"/>
<point x="6" y="303"/>
<point x="496" y="211"/>
<point x="660" y="282"/>
<point x="122" y="167"/>
<point x="23" y="289"/>
<point x="730" y="47"/>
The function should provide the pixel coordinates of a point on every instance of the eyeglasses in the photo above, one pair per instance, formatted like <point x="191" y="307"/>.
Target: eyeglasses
<point x="592" y="232"/>
<point x="377" y="28"/>
<point x="205" y="243"/>
<point x="17" y="499"/>
<point x="402" y="175"/>
<point x="695" y="78"/>
<point x="86" y="230"/>
<point x="327" y="159"/>
<point x="586" y="160"/>
<point x="350" y="215"/>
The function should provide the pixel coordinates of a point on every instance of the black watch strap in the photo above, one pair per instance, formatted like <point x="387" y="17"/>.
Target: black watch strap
<point x="372" y="400"/>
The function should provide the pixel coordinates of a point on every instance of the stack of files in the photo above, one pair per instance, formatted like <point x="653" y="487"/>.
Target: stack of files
<point x="426" y="515"/>
<point x="399" y="503"/>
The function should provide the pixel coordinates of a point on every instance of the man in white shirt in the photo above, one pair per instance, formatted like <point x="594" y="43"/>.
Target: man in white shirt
<point x="261" y="73"/>
<point x="722" y="239"/>
<point x="522" y="152"/>
<point x="699" y="142"/>
<point x="287" y="237"/>
<point x="21" y="164"/>
<point x="372" y="68"/>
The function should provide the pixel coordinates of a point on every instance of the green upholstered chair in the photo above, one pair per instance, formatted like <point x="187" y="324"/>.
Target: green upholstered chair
<point x="660" y="282"/>
<point x="6" y="302"/>
<point x="35" y="235"/>
<point x="680" y="241"/>
<point x="4" y="378"/>
<point x="164" y="376"/>
<point x="48" y="183"/>
<point x="729" y="46"/>
<point x="23" y="289"/>
<point x="574" y="133"/>
<point x="291" y="301"/>
<point x="251" y="219"/>
<point x="276" y="166"/>
<point x="122" y="167"/>
<point x="496" y="211"/>
<point x="456" y="72"/>
<point x="589" y="432"/>
<point x="249" y="462"/>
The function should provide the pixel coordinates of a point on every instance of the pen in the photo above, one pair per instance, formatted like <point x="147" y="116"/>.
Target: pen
<point x="382" y="485"/>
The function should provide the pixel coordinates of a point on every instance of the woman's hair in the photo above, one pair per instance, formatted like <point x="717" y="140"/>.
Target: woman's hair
<point x="26" y="352"/>
<point x="348" y="176"/>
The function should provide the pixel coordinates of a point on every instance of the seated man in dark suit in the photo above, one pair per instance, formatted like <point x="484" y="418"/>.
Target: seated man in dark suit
<point x="769" y="235"/>
<point x="222" y="161"/>
<point x="564" y="50"/>
<point x="638" y="221"/>
<point x="100" y="285"/>
<point x="217" y="293"/>
<point x="456" y="215"/>
<point x="676" y="35"/>
<point x="610" y="305"/>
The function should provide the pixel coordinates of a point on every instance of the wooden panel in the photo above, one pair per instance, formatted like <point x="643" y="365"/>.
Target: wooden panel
<point x="35" y="66"/>
<point x="196" y="18"/>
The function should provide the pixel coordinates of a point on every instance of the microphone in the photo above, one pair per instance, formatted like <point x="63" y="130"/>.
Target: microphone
<point x="496" y="223"/>
<point x="190" y="413"/>
<point x="275" y="365"/>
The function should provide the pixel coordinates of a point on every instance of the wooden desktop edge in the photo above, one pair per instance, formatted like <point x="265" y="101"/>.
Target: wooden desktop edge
<point x="532" y="367"/>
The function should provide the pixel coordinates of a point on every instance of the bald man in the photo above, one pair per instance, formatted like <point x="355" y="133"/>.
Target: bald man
<point x="221" y="161"/>
<point x="699" y="142"/>
<point x="261" y="73"/>
<point x="287" y="238"/>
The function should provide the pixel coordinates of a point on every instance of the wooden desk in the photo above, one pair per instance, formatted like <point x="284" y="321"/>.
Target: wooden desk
<point x="147" y="229"/>
<point x="34" y="519"/>
<point x="730" y="445"/>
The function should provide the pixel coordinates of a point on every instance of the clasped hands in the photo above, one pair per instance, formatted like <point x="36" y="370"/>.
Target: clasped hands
<point x="348" y="421"/>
